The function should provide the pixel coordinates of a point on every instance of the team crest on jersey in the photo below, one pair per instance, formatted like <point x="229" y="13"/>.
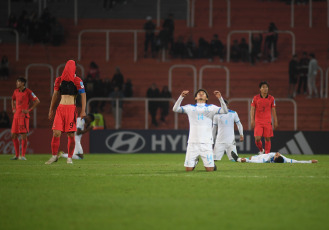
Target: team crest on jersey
<point x="81" y="84"/>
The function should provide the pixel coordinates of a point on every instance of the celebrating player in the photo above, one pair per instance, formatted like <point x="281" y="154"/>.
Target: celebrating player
<point x="269" y="158"/>
<point x="200" y="117"/>
<point x="223" y="127"/>
<point x="83" y="126"/>
<point x="20" y="107"/>
<point x="262" y="109"/>
<point x="68" y="86"/>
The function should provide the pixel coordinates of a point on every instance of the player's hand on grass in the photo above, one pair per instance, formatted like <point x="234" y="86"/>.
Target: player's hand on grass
<point x="185" y="93"/>
<point x="217" y="94"/>
<point x="314" y="161"/>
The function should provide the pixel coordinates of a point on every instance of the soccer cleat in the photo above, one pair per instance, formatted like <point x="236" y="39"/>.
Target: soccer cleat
<point x="52" y="159"/>
<point x="23" y="159"/>
<point x="14" y="158"/>
<point x="60" y="154"/>
<point x="69" y="161"/>
<point x="215" y="167"/>
<point x="261" y="152"/>
<point x="235" y="157"/>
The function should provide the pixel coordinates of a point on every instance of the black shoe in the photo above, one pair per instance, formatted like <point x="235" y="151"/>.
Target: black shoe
<point x="235" y="157"/>
<point x="215" y="167"/>
<point x="14" y="158"/>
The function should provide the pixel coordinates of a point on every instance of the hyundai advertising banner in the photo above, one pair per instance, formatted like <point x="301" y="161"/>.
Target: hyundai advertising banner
<point x="175" y="141"/>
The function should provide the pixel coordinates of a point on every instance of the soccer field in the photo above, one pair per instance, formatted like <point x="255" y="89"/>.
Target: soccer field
<point x="152" y="191"/>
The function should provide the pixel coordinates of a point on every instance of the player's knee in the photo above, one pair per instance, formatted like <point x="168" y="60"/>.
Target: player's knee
<point x="57" y="133"/>
<point x="14" y="135"/>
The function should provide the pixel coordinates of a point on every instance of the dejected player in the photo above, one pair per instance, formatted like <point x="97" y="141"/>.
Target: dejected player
<point x="20" y="103"/>
<point x="262" y="110"/>
<point x="83" y="126"/>
<point x="200" y="138"/>
<point x="68" y="85"/>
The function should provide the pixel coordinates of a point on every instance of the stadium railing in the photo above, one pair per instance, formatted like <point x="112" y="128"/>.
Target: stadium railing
<point x="250" y="32"/>
<point x="182" y="66"/>
<point x="326" y="83"/>
<point x="41" y="65"/>
<point x="133" y="99"/>
<point x="107" y="47"/>
<point x="4" y="99"/>
<point x="216" y="67"/>
<point x="248" y="100"/>
<point x="17" y="39"/>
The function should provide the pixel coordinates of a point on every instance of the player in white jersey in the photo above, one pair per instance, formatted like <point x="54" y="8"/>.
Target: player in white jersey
<point x="223" y="133"/>
<point x="200" y="117"/>
<point x="269" y="158"/>
<point x="83" y="126"/>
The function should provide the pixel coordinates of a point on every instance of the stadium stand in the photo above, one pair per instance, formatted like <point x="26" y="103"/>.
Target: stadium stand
<point x="244" y="78"/>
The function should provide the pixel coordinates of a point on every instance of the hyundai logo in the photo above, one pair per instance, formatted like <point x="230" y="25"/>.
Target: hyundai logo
<point x="125" y="142"/>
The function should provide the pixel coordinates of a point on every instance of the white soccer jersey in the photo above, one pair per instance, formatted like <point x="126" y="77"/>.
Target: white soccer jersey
<point x="80" y="125"/>
<point x="225" y="127"/>
<point x="269" y="158"/>
<point x="200" y="117"/>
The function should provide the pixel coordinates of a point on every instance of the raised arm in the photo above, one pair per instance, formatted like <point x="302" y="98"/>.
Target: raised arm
<point x="176" y="107"/>
<point x="222" y="103"/>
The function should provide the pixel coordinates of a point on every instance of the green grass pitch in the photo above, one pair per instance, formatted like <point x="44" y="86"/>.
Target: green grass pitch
<point x="152" y="191"/>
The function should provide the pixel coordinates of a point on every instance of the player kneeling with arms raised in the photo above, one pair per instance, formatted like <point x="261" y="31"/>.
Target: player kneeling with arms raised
<point x="200" y="138"/>
<point x="83" y="126"/>
<point x="269" y="158"/>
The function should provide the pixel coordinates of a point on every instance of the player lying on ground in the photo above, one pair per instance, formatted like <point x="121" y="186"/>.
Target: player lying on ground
<point x="83" y="126"/>
<point x="269" y="158"/>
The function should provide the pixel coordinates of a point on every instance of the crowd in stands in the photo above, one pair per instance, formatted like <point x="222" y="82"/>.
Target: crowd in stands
<point x="4" y="68"/>
<point x="43" y="29"/>
<point x="162" y="44"/>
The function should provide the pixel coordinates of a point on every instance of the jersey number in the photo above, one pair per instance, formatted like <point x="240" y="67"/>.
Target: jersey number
<point x="71" y="125"/>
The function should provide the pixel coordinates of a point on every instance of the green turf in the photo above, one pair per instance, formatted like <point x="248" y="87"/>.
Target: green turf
<point x="152" y="191"/>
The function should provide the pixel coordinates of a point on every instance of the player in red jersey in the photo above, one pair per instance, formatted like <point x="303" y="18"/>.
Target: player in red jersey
<point x="67" y="86"/>
<point x="262" y="110"/>
<point x="20" y="102"/>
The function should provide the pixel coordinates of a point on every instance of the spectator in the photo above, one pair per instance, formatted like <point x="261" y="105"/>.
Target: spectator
<point x="170" y="26"/>
<point x="190" y="48"/>
<point x="93" y="71"/>
<point x="179" y="50"/>
<point x="117" y="94"/>
<point x="165" y="93"/>
<point x="256" y="49"/>
<point x="149" y="28"/>
<point x="203" y="48"/>
<point x="164" y="41"/>
<point x="153" y="92"/>
<point x="244" y="50"/>
<point x="235" y="51"/>
<point x="23" y="23"/>
<point x="216" y="48"/>
<point x="128" y="88"/>
<point x="4" y="68"/>
<point x="293" y="76"/>
<point x="117" y="79"/>
<point x="271" y="40"/>
<point x="303" y="71"/>
<point x="311" y="76"/>
<point x="4" y="120"/>
<point x="12" y="21"/>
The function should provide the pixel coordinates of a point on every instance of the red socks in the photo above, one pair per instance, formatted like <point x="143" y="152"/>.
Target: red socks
<point x="55" y="145"/>
<point x="16" y="146"/>
<point x="70" y="146"/>
<point x="267" y="146"/>
<point x="259" y="145"/>
<point x="24" y="145"/>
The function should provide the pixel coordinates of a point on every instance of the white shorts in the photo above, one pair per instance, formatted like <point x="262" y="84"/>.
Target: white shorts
<point x="78" y="148"/>
<point x="220" y="148"/>
<point x="194" y="150"/>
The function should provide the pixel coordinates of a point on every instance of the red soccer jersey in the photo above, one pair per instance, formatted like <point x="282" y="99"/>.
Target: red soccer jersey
<point x="77" y="82"/>
<point x="263" y="108"/>
<point x="22" y="101"/>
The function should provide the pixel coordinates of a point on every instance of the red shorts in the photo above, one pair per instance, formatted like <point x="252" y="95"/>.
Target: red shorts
<point x="263" y="130"/>
<point x="65" y="118"/>
<point x="20" y="125"/>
